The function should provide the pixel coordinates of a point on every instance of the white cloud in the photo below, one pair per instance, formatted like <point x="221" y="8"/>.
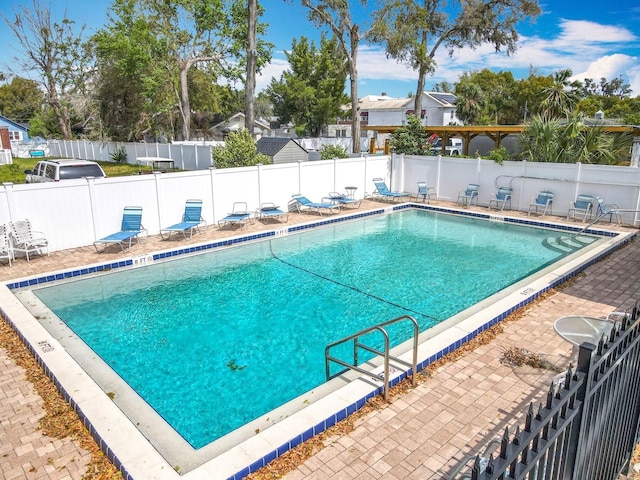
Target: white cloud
<point x="273" y="70"/>
<point x="589" y="49"/>
<point x="610" y="67"/>
<point x="584" y="31"/>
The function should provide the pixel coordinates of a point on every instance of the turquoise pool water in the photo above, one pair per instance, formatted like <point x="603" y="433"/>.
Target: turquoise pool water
<point x="213" y="341"/>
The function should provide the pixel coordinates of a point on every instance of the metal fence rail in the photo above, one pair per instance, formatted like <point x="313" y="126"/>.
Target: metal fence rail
<point x="588" y="425"/>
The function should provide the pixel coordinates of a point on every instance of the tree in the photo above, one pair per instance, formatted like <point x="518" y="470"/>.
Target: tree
<point x="190" y="32"/>
<point x="471" y="102"/>
<point x="239" y="150"/>
<point x="20" y="99"/>
<point x="561" y="98"/>
<point x="413" y="31"/>
<point x="412" y="139"/>
<point x="132" y="93"/>
<point x="311" y="93"/>
<point x="486" y="97"/>
<point x="614" y="88"/>
<point x="571" y="141"/>
<point x="336" y="15"/>
<point x="53" y="50"/>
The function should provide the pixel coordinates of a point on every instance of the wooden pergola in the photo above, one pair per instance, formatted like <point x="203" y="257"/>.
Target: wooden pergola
<point x="495" y="132"/>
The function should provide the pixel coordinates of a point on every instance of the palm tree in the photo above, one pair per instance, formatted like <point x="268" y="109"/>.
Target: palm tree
<point x="470" y="102"/>
<point x="562" y="96"/>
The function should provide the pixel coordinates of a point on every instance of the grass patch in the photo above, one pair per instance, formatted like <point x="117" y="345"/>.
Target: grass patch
<point x="14" y="173"/>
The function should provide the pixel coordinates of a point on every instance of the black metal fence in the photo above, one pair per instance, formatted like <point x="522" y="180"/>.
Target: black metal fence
<point x="588" y="425"/>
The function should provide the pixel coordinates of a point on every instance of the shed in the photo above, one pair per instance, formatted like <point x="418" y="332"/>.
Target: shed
<point x="282" y="149"/>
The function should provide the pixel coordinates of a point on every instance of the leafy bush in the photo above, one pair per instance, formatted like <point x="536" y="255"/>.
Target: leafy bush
<point x="412" y="139"/>
<point x="239" y="150"/>
<point x="499" y="155"/>
<point x="119" y="156"/>
<point x="327" y="152"/>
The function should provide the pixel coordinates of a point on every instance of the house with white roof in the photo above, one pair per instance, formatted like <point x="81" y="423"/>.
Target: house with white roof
<point x="438" y="108"/>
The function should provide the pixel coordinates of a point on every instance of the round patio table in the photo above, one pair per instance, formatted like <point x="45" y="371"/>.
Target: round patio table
<point x="578" y="329"/>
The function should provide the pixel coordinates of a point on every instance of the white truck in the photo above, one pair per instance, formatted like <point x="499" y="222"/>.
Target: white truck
<point x="453" y="147"/>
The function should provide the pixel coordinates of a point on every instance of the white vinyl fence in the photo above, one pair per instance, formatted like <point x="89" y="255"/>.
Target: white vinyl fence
<point x="75" y="213"/>
<point x="186" y="156"/>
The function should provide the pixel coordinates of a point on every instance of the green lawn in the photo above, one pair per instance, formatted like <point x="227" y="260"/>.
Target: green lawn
<point x="15" y="173"/>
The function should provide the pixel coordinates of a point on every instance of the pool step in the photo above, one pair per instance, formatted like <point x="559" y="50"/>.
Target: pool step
<point x="568" y="244"/>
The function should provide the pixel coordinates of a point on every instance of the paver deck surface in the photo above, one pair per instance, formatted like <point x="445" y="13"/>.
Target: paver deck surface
<point x="422" y="434"/>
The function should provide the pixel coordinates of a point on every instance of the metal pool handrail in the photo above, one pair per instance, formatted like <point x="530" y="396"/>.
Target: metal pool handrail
<point x="602" y="215"/>
<point x="358" y="345"/>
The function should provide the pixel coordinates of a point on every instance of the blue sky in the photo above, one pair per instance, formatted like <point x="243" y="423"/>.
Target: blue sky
<point x="593" y="38"/>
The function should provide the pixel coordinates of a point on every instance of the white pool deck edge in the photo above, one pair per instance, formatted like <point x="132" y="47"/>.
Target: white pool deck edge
<point x="130" y="451"/>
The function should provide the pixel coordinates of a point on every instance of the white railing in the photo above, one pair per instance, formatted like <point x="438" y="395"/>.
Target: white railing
<point x="75" y="213"/>
<point x="5" y="156"/>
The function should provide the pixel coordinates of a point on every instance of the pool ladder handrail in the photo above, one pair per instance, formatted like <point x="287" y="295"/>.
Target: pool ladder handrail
<point x="357" y="345"/>
<point x="601" y="216"/>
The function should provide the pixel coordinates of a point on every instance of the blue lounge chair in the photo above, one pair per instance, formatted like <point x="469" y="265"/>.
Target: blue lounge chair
<point x="427" y="193"/>
<point x="130" y="230"/>
<point x="383" y="191"/>
<point x="269" y="210"/>
<point x="467" y="196"/>
<point x="303" y="204"/>
<point x="582" y="207"/>
<point x="501" y="198"/>
<point x="544" y="200"/>
<point x="239" y="216"/>
<point x="342" y="200"/>
<point x="191" y="220"/>
<point x="611" y="209"/>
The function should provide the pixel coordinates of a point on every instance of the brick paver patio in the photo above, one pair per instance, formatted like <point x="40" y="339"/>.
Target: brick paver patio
<point x="422" y="434"/>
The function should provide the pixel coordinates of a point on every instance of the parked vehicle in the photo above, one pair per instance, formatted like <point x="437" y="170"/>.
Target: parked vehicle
<point x="56" y="170"/>
<point x="453" y="147"/>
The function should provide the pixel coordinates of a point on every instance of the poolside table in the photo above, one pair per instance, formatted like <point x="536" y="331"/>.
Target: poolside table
<point x="577" y="329"/>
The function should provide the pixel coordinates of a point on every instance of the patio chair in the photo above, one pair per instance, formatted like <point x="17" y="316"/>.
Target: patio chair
<point x="467" y="196"/>
<point x="130" y="229"/>
<point x="303" y="204"/>
<point x="501" y="198"/>
<point x="581" y="207"/>
<point x="383" y="191"/>
<point x="6" y="249"/>
<point x="604" y="209"/>
<point x="239" y="216"/>
<point x="26" y="240"/>
<point x="191" y="220"/>
<point x="342" y="200"/>
<point x="269" y="210"/>
<point x="544" y="200"/>
<point x="427" y="193"/>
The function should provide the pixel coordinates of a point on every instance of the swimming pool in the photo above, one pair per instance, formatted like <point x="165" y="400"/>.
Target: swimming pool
<point x="215" y="329"/>
<point x="300" y="273"/>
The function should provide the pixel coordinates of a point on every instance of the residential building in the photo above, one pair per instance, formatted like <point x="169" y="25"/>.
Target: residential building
<point x="17" y="131"/>
<point x="235" y="123"/>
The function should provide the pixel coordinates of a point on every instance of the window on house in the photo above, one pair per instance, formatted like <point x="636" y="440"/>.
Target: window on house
<point x="14" y="135"/>
<point x="364" y="117"/>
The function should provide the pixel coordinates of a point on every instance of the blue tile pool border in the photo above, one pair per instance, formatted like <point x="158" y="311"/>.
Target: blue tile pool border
<point x="358" y="404"/>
